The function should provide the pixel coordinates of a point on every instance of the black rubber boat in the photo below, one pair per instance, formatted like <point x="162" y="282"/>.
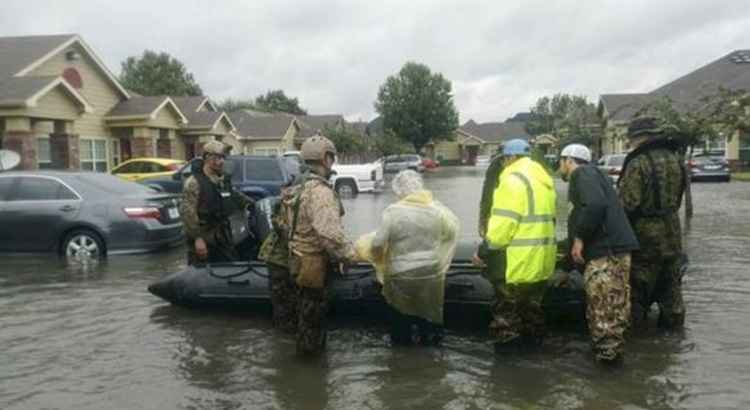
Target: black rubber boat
<point x="245" y="286"/>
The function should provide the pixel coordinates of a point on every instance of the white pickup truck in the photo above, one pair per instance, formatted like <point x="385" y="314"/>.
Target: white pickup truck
<point x="350" y="180"/>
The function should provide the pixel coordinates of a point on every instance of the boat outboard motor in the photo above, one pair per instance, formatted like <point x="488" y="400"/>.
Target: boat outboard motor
<point x="260" y="218"/>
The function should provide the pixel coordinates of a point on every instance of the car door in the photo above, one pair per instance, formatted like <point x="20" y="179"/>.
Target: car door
<point x="130" y="171"/>
<point x="37" y="210"/>
<point x="7" y="184"/>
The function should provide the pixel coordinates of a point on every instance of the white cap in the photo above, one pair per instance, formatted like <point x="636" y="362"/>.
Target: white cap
<point x="576" y="151"/>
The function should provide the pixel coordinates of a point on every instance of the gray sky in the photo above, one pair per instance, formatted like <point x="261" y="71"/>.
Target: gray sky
<point x="333" y="55"/>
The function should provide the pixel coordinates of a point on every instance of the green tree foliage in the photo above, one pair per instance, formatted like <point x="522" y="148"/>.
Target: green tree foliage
<point x="390" y="144"/>
<point x="346" y="139"/>
<point x="232" y="105"/>
<point x="277" y="101"/>
<point x="417" y="105"/>
<point x="158" y="74"/>
<point x="570" y="118"/>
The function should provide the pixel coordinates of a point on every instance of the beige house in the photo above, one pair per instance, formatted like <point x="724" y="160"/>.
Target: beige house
<point x="731" y="71"/>
<point x="61" y="107"/>
<point x="266" y="134"/>
<point x="473" y="139"/>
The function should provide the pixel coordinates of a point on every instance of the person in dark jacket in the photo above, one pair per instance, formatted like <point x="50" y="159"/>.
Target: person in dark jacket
<point x="601" y="241"/>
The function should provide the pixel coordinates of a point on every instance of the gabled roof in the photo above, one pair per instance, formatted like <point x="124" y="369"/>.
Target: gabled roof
<point x="731" y="71"/>
<point x="142" y="108"/>
<point x="193" y="103"/>
<point x="26" y="91"/>
<point x="319" y="122"/>
<point x="21" y="55"/>
<point x="261" y="127"/>
<point x="207" y="120"/>
<point x="495" y="132"/>
<point x="17" y="53"/>
<point x="622" y="107"/>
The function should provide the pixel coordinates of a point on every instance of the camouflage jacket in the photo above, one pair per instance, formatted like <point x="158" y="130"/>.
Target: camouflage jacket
<point x="318" y="226"/>
<point x="192" y="224"/>
<point x="491" y="176"/>
<point x="651" y="189"/>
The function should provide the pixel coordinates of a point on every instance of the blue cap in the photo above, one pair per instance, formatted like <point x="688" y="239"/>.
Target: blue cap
<point x="516" y="146"/>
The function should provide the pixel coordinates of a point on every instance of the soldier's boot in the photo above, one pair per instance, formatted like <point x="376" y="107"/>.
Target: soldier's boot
<point x="609" y="352"/>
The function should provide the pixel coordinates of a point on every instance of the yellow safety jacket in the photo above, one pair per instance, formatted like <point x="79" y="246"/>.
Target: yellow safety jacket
<point x="523" y="222"/>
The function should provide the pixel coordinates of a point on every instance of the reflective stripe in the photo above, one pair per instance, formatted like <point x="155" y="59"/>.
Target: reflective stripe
<point x="529" y="192"/>
<point x="507" y="213"/>
<point x="532" y="242"/>
<point x="539" y="218"/>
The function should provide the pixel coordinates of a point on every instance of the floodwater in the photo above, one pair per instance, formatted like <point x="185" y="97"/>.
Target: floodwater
<point x="75" y="338"/>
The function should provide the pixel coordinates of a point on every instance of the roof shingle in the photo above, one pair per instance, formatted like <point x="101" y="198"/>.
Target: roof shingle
<point x="17" y="53"/>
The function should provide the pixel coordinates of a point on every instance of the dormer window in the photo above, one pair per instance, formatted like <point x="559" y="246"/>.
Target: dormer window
<point x="72" y="55"/>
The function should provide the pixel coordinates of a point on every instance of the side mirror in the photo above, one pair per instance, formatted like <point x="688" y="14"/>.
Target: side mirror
<point x="177" y="176"/>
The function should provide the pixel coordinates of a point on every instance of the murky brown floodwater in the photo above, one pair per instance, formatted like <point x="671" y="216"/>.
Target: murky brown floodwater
<point x="90" y="339"/>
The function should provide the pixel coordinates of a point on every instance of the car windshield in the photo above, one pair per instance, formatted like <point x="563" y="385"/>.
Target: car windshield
<point x="616" y="160"/>
<point x="263" y="170"/>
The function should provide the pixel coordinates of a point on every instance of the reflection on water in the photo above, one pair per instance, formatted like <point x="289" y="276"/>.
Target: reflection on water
<point x="86" y="337"/>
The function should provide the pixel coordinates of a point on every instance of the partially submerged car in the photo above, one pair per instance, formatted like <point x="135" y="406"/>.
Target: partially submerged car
<point x="351" y="179"/>
<point x="709" y="167"/>
<point x="397" y="163"/>
<point x="84" y="215"/>
<point x="612" y="165"/>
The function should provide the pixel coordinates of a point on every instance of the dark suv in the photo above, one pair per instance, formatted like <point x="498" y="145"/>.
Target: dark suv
<point x="254" y="175"/>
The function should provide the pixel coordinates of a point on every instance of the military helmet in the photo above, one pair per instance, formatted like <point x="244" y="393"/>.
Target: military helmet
<point x="516" y="146"/>
<point x="316" y="147"/>
<point x="214" y="147"/>
<point x="576" y="151"/>
<point x="644" y="126"/>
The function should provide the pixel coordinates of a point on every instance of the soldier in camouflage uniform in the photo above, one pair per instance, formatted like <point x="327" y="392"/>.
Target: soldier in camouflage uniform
<point x="316" y="240"/>
<point x="275" y="252"/>
<point x="207" y="202"/>
<point x="601" y="240"/>
<point x="651" y="188"/>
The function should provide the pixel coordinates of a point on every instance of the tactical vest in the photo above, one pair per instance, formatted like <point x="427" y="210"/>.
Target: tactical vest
<point x="215" y="202"/>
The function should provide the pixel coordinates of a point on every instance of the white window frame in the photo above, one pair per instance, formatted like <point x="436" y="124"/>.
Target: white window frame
<point x="43" y="163"/>
<point x="94" y="160"/>
<point x="115" y="152"/>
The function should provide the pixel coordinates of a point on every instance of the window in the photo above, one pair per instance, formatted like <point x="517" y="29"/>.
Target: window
<point x="744" y="143"/>
<point x="116" y="155"/>
<point x="43" y="153"/>
<point x="41" y="189"/>
<point x="93" y="155"/>
<point x="263" y="170"/>
<point x="268" y="152"/>
<point x="130" y="168"/>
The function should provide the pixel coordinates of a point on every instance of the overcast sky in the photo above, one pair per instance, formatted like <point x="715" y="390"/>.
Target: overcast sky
<point x="333" y="55"/>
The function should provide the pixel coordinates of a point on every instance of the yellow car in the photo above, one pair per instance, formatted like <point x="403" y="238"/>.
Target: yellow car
<point x="137" y="169"/>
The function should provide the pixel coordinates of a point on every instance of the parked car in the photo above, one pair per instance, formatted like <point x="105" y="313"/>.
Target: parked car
<point x="709" y="167"/>
<point x="612" y="165"/>
<point x="350" y="179"/>
<point x="396" y="163"/>
<point x="429" y="163"/>
<point x="483" y="161"/>
<point x="83" y="215"/>
<point x="254" y="175"/>
<point x="138" y="169"/>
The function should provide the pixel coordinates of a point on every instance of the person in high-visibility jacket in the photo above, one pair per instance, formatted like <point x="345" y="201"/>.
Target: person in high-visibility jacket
<point x="522" y="223"/>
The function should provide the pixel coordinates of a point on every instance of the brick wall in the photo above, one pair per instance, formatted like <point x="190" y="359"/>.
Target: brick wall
<point x="24" y="143"/>
<point x="64" y="151"/>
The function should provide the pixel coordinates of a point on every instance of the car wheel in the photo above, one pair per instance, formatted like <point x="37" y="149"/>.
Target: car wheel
<point x="346" y="188"/>
<point x="82" y="245"/>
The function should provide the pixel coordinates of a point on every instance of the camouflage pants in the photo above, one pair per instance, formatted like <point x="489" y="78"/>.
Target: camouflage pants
<point x="657" y="280"/>
<point x="608" y="304"/>
<point x="284" y="294"/>
<point x="312" y="306"/>
<point x="517" y="312"/>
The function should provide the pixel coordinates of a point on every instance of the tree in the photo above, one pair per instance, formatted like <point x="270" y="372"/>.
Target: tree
<point x="232" y="105"/>
<point x="347" y="141"/>
<point x="417" y="106"/>
<point x="570" y="118"/>
<point x="712" y="117"/>
<point x="277" y="101"/>
<point x="158" y="74"/>
<point x="389" y="144"/>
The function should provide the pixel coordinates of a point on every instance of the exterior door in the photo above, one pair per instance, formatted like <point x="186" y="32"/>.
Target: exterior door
<point x="36" y="211"/>
<point x="125" y="150"/>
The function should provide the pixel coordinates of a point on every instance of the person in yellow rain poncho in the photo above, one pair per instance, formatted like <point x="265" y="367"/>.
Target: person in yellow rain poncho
<point x="411" y="252"/>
